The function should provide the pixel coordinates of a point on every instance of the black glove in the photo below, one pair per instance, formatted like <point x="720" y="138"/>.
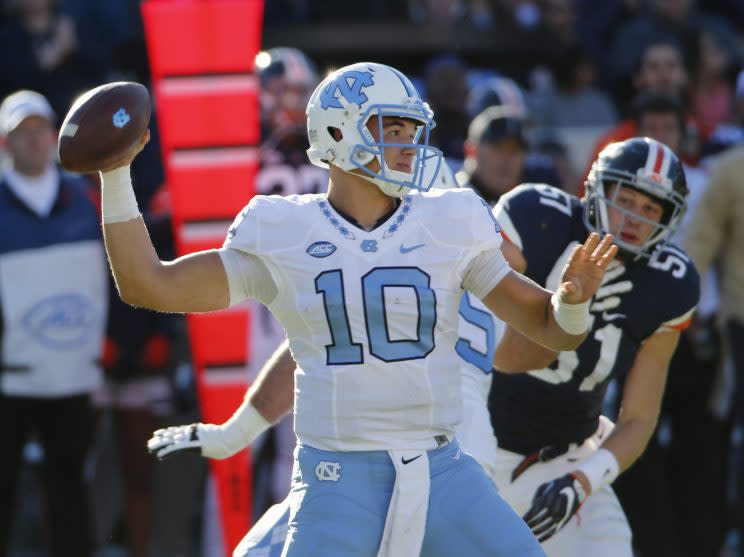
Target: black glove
<point x="553" y="505"/>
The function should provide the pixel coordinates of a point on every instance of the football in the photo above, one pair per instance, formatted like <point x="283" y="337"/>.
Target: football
<point x="103" y="125"/>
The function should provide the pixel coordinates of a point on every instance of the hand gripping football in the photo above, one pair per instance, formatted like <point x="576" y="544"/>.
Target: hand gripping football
<point x="103" y="125"/>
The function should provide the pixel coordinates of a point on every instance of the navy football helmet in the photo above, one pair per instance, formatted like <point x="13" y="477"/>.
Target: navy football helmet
<point x="647" y="166"/>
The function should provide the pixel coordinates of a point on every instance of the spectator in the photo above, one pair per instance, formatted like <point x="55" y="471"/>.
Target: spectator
<point x="53" y="297"/>
<point x="713" y="73"/>
<point x="446" y="88"/>
<point x="671" y="20"/>
<point x="661" y="69"/>
<point x="573" y="101"/>
<point x="560" y="19"/>
<point x="498" y="91"/>
<point x="50" y="55"/>
<point x="716" y="233"/>
<point x="495" y="153"/>
<point x="729" y="133"/>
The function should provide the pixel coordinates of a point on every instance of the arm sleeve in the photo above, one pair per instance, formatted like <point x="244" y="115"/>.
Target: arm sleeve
<point x="247" y="277"/>
<point x="485" y="272"/>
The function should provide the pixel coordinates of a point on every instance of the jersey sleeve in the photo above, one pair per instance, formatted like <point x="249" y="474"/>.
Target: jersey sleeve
<point x="680" y="292"/>
<point x="541" y="221"/>
<point x="487" y="265"/>
<point x="247" y="277"/>
<point x="243" y="252"/>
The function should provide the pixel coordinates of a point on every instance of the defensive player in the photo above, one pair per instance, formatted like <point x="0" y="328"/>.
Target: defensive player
<point x="557" y="455"/>
<point x="367" y="282"/>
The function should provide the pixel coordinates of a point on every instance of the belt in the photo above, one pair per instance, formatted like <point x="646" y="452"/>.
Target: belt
<point x="441" y="440"/>
<point x="543" y="455"/>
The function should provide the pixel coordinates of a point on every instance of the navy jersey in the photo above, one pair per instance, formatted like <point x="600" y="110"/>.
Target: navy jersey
<point x="562" y="403"/>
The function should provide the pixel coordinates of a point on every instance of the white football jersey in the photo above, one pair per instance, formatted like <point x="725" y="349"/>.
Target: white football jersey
<point x="372" y="316"/>
<point x="480" y="334"/>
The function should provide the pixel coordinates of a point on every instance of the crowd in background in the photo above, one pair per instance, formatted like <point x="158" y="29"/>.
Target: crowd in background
<point x="606" y="71"/>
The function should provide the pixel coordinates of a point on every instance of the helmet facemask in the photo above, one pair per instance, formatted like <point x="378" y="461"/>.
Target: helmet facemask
<point x="396" y="183"/>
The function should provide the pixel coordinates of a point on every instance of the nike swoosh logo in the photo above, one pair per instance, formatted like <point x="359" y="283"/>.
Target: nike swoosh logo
<point x="404" y="249"/>
<point x="408" y="461"/>
<point x="612" y="316"/>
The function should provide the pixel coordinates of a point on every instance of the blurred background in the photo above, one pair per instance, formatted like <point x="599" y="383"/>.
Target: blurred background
<point x="230" y="80"/>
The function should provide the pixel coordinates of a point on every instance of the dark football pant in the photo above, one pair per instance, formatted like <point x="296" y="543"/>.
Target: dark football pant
<point x="735" y="477"/>
<point x="64" y="428"/>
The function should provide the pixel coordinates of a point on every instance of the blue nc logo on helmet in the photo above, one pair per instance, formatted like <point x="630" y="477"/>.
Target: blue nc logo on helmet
<point x="349" y="85"/>
<point x="321" y="249"/>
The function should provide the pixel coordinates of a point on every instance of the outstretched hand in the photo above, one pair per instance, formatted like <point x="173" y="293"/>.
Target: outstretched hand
<point x="585" y="269"/>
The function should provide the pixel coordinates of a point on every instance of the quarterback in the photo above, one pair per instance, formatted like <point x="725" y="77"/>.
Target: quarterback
<point x="367" y="281"/>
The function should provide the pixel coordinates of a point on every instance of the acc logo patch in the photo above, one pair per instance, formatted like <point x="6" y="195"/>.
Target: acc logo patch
<point x="321" y="249"/>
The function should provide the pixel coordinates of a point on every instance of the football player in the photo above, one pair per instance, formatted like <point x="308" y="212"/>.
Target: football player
<point x="557" y="454"/>
<point x="480" y="349"/>
<point x="367" y="281"/>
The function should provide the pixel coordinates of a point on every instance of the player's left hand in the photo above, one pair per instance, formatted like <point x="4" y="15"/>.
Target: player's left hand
<point x="585" y="269"/>
<point x="553" y="505"/>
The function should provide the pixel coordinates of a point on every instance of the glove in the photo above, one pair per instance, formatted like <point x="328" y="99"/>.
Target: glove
<point x="554" y="504"/>
<point x="208" y="440"/>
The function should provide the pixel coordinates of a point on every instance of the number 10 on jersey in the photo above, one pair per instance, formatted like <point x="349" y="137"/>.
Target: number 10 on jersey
<point x="343" y="350"/>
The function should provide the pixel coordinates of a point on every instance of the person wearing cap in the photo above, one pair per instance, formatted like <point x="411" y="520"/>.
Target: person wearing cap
<point x="53" y="300"/>
<point x="495" y="154"/>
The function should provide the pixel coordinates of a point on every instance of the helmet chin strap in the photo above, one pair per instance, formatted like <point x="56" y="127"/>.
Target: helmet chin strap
<point x="389" y="188"/>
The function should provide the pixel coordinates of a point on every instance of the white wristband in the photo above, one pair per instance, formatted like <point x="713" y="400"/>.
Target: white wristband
<point x="223" y="441"/>
<point x="601" y="468"/>
<point x="572" y="318"/>
<point x="118" y="203"/>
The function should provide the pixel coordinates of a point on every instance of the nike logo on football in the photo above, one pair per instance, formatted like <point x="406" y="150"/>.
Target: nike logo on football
<point x="404" y="249"/>
<point x="612" y="316"/>
<point x="409" y="460"/>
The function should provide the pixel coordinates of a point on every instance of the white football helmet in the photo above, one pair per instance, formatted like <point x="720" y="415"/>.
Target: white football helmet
<point x="345" y="100"/>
